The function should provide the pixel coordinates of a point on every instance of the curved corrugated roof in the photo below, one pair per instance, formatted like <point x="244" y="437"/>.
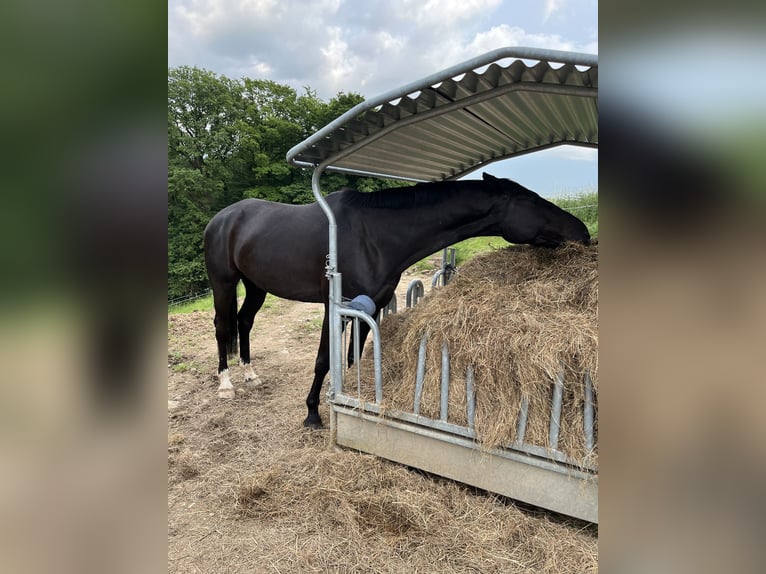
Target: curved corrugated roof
<point x="505" y="103"/>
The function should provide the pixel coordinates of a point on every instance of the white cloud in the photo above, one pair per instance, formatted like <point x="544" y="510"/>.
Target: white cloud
<point x="573" y="153"/>
<point x="205" y="19"/>
<point x="591" y="47"/>
<point x="387" y="42"/>
<point x="446" y="13"/>
<point x="369" y="47"/>
<point x="504" y="35"/>
<point x="260" y="70"/>
<point x="552" y="6"/>
<point x="339" y="62"/>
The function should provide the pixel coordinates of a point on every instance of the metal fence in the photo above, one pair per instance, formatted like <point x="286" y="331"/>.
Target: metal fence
<point x="550" y="452"/>
<point x="188" y="298"/>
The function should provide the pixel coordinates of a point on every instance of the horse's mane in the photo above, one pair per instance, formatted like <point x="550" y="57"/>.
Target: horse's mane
<point x="421" y="194"/>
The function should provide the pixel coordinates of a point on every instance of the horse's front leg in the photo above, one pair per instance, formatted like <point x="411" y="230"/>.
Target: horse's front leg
<point x="321" y="368"/>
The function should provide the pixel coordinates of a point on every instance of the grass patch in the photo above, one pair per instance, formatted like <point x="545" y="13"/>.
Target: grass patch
<point x="583" y="205"/>
<point x="468" y="248"/>
<point x="312" y="324"/>
<point x="206" y="303"/>
<point x="201" y="304"/>
<point x="183" y="367"/>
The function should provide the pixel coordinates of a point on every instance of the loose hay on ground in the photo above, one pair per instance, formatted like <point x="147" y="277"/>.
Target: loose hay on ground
<point x="358" y="513"/>
<point x="519" y="316"/>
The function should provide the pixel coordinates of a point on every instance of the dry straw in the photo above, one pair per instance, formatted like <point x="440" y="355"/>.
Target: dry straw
<point x="519" y="316"/>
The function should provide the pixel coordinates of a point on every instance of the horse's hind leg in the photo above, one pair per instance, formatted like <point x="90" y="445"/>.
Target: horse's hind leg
<point x="254" y="298"/>
<point x="225" y="303"/>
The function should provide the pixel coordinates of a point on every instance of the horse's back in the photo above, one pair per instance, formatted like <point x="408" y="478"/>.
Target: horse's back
<point x="281" y="248"/>
<point x="249" y="218"/>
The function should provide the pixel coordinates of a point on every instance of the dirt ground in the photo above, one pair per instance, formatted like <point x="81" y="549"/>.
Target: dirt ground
<point x="251" y="490"/>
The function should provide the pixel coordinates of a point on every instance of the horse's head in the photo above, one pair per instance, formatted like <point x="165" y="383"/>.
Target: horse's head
<point x="533" y="220"/>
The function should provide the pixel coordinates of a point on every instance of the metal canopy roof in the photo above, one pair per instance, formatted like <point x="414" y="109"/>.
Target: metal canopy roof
<point x="505" y="103"/>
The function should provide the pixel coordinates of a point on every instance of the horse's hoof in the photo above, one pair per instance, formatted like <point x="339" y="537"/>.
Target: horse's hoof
<point x="254" y="382"/>
<point x="251" y="378"/>
<point x="226" y="394"/>
<point x="313" y="423"/>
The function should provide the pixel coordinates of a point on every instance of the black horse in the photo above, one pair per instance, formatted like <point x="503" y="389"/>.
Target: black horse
<point x="281" y="249"/>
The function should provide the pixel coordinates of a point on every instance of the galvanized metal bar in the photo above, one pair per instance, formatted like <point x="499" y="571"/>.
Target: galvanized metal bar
<point x="415" y="291"/>
<point x="358" y="404"/>
<point x="443" y="276"/>
<point x="521" y="423"/>
<point x="344" y="343"/>
<point x="555" y="426"/>
<point x="335" y="327"/>
<point x="444" y="405"/>
<point x="436" y="277"/>
<point x="376" y="352"/>
<point x="387" y="310"/>
<point x="470" y="398"/>
<point x="448" y="262"/>
<point x="390" y="306"/>
<point x="545" y="452"/>
<point x="333" y="227"/>
<point x="335" y="330"/>
<point x="441" y="426"/>
<point x="357" y="356"/>
<point x="415" y="426"/>
<point x="588" y="412"/>
<point x="420" y="374"/>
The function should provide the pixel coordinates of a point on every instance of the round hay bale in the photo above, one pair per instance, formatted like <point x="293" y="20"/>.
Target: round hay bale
<point x="519" y="316"/>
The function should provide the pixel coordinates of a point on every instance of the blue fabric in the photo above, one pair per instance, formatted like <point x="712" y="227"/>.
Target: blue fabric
<point x="363" y="303"/>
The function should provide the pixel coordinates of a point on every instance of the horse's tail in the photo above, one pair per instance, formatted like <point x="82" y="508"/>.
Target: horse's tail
<point x="223" y="280"/>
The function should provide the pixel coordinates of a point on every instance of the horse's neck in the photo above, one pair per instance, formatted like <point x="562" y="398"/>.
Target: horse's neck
<point x="420" y="231"/>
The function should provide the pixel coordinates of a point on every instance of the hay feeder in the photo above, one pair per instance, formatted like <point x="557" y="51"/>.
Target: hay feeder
<point x="400" y="135"/>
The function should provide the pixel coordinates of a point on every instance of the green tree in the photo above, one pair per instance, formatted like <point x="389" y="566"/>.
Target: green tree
<point x="267" y="128"/>
<point x="203" y="118"/>
<point x="190" y="199"/>
<point x="227" y="140"/>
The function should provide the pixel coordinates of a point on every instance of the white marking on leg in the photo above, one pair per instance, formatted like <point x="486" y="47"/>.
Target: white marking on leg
<point x="251" y="378"/>
<point x="225" y="388"/>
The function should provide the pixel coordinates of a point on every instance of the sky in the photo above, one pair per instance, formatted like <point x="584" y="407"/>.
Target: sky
<point x="373" y="46"/>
